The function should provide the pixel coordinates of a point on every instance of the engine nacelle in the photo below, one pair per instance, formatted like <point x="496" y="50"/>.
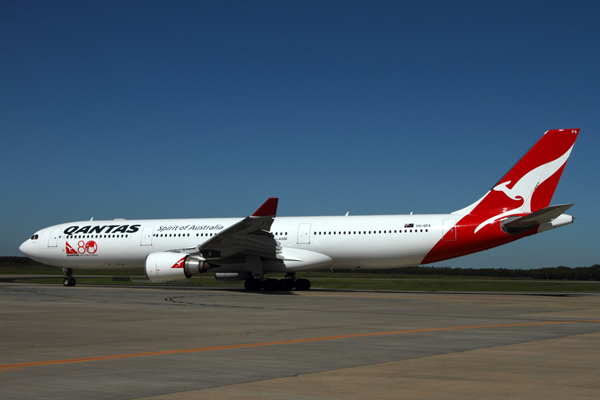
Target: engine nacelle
<point x="166" y="267"/>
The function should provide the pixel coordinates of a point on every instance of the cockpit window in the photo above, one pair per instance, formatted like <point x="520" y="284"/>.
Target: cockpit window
<point x="35" y="237"/>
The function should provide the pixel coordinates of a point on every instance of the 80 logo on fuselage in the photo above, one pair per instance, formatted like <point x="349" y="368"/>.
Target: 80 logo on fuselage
<point x="83" y="248"/>
<point x="89" y="247"/>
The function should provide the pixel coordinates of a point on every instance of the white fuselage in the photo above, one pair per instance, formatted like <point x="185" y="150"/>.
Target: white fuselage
<point x="345" y="241"/>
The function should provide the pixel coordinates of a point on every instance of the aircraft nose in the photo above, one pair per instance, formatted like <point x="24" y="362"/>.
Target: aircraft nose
<point x="25" y="247"/>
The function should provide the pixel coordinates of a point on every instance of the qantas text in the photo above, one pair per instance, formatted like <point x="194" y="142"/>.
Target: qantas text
<point x="73" y="230"/>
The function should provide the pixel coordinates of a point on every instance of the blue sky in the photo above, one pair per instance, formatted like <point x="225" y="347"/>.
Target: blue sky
<point x="205" y="109"/>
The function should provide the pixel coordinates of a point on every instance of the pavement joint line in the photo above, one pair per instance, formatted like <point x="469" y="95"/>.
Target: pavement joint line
<point x="13" y="367"/>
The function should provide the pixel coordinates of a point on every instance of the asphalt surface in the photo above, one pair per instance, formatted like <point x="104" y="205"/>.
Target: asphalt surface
<point x="164" y="342"/>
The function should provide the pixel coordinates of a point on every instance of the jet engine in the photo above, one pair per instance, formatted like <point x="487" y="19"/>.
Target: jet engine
<point x="166" y="267"/>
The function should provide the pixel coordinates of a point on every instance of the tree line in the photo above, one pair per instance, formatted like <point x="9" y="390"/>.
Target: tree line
<point x="562" y="273"/>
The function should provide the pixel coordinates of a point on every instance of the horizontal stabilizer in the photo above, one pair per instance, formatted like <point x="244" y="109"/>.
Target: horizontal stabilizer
<point x="514" y="225"/>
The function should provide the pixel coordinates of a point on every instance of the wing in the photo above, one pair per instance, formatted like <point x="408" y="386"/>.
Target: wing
<point x="248" y="236"/>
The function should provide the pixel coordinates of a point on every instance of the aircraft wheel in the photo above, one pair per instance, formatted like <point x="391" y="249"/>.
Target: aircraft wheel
<point x="72" y="282"/>
<point x="252" y="285"/>
<point x="302" y="284"/>
<point x="286" y="285"/>
<point x="271" y="285"/>
<point x="66" y="282"/>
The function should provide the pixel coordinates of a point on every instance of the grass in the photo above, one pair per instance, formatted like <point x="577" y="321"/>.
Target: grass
<point x="25" y="266"/>
<point x="323" y="280"/>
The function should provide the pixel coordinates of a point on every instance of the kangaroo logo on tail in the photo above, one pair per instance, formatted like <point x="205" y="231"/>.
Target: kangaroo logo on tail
<point x="530" y="184"/>
<point x="503" y="187"/>
<point x="526" y="186"/>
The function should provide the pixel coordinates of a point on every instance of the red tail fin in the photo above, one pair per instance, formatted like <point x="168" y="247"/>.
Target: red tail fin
<point x="530" y="184"/>
<point x="525" y="189"/>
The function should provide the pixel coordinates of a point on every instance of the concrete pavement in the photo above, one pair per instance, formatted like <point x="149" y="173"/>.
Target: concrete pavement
<point x="188" y="342"/>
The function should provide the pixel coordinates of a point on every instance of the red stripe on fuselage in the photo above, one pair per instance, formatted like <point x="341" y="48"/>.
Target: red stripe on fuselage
<point x="467" y="241"/>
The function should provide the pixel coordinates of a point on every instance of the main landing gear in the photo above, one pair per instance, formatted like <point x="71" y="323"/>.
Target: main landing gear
<point x="69" y="280"/>
<point x="286" y="284"/>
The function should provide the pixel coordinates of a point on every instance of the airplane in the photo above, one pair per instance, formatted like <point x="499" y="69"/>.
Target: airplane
<point x="246" y="249"/>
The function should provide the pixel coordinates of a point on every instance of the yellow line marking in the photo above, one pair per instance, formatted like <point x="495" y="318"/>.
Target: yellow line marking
<point x="290" y="341"/>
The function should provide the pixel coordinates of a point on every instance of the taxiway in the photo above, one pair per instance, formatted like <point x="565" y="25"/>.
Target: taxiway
<point x="165" y="342"/>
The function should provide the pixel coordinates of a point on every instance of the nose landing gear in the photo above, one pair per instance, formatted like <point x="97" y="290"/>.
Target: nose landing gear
<point x="69" y="280"/>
